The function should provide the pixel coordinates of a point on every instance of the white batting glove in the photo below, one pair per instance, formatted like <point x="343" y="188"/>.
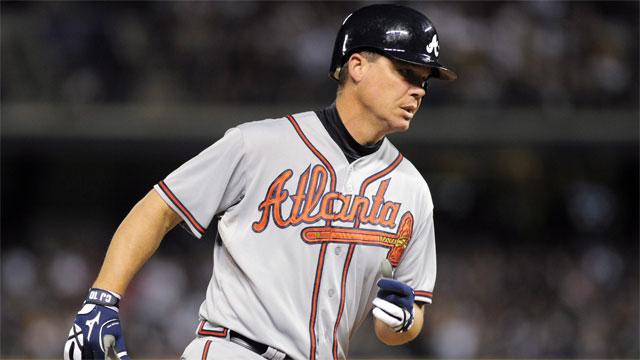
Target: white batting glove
<point x="394" y="304"/>
<point x="396" y="317"/>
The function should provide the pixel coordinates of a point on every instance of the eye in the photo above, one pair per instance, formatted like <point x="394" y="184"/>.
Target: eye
<point x="413" y="77"/>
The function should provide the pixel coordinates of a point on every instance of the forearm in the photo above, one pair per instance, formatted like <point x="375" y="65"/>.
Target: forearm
<point x="388" y="336"/>
<point x="135" y="240"/>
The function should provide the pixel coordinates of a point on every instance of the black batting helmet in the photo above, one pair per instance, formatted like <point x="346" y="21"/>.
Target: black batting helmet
<point x="395" y="31"/>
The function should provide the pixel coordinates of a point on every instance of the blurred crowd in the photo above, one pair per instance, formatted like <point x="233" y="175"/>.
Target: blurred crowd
<point x="543" y="303"/>
<point x="532" y="53"/>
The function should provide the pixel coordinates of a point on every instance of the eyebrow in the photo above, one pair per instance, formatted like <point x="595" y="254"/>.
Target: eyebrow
<point x="415" y="71"/>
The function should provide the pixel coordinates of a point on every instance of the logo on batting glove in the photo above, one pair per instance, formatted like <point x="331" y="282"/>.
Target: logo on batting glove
<point x="96" y="331"/>
<point x="394" y="304"/>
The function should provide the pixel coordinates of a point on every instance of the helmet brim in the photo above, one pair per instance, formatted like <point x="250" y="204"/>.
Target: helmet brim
<point x="444" y="73"/>
<point x="439" y="71"/>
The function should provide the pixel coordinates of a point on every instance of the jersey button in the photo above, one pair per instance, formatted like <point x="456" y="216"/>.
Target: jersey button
<point x="331" y="292"/>
<point x="338" y="250"/>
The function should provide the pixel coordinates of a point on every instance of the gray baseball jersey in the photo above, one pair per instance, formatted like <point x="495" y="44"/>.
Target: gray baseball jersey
<point x="303" y="232"/>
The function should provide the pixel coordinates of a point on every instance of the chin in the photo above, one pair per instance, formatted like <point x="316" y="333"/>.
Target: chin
<point x="396" y="123"/>
<point x="400" y="127"/>
<point x="403" y="124"/>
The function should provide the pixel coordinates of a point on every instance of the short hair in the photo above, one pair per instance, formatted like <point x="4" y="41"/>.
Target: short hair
<point x="344" y="70"/>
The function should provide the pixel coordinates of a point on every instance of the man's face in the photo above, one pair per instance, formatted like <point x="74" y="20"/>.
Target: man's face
<point x="392" y="91"/>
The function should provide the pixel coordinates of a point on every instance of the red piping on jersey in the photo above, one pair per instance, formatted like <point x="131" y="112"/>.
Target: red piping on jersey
<point x="216" y="333"/>
<point x="205" y="352"/>
<point x="375" y="177"/>
<point x="323" y="248"/>
<point x="315" y="152"/>
<point x="345" y="271"/>
<point x="352" y="247"/>
<point x="182" y="208"/>
<point x="314" y="302"/>
<point x="426" y="294"/>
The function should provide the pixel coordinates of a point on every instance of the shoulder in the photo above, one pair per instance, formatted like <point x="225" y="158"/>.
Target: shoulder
<point x="265" y="125"/>
<point x="275" y="133"/>
<point x="413" y="177"/>
<point x="275" y="126"/>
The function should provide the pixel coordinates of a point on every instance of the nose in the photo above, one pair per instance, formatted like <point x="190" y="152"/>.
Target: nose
<point x="417" y="92"/>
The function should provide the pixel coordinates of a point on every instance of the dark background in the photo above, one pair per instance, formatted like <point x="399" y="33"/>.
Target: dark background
<point x="531" y="157"/>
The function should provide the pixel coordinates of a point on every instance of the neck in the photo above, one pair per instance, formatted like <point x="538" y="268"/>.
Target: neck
<point x="357" y="122"/>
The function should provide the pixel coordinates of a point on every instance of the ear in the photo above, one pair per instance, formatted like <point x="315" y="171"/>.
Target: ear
<point x="358" y="65"/>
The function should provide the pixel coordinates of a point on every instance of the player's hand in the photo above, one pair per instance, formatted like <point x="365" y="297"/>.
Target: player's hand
<point x="96" y="331"/>
<point x="394" y="304"/>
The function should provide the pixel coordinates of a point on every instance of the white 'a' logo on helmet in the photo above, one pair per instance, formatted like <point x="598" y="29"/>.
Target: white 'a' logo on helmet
<point x="433" y="47"/>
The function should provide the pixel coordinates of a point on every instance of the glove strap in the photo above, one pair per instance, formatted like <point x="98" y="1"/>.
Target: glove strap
<point x="103" y="297"/>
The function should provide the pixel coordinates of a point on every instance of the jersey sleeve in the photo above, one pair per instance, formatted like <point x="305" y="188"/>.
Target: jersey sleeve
<point x="207" y="184"/>
<point x="417" y="267"/>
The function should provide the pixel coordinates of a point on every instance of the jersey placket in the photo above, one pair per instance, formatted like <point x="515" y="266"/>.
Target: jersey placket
<point x="329" y="292"/>
<point x="318" y="281"/>
<point x="352" y="247"/>
<point x="336" y="280"/>
<point x="350" y="186"/>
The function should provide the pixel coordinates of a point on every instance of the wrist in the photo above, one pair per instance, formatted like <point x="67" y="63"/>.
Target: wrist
<point x="103" y="297"/>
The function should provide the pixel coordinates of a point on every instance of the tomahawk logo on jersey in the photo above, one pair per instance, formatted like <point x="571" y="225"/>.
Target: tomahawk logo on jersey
<point x="309" y="204"/>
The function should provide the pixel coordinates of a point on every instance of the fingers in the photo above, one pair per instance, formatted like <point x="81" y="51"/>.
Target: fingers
<point x="113" y="344"/>
<point x="389" y="313"/>
<point x="396" y="292"/>
<point x="108" y="342"/>
<point x="396" y="317"/>
<point x="390" y="321"/>
<point x="73" y="346"/>
<point x="386" y="270"/>
<point x="121" y="351"/>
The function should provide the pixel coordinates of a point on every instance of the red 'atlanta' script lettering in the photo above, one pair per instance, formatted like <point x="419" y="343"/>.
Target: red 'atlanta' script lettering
<point x="311" y="203"/>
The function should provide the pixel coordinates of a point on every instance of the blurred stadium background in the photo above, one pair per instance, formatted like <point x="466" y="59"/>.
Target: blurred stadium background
<point x="532" y="159"/>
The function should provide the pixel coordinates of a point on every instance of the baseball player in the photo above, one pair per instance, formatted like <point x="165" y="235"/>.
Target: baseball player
<point x="321" y="220"/>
